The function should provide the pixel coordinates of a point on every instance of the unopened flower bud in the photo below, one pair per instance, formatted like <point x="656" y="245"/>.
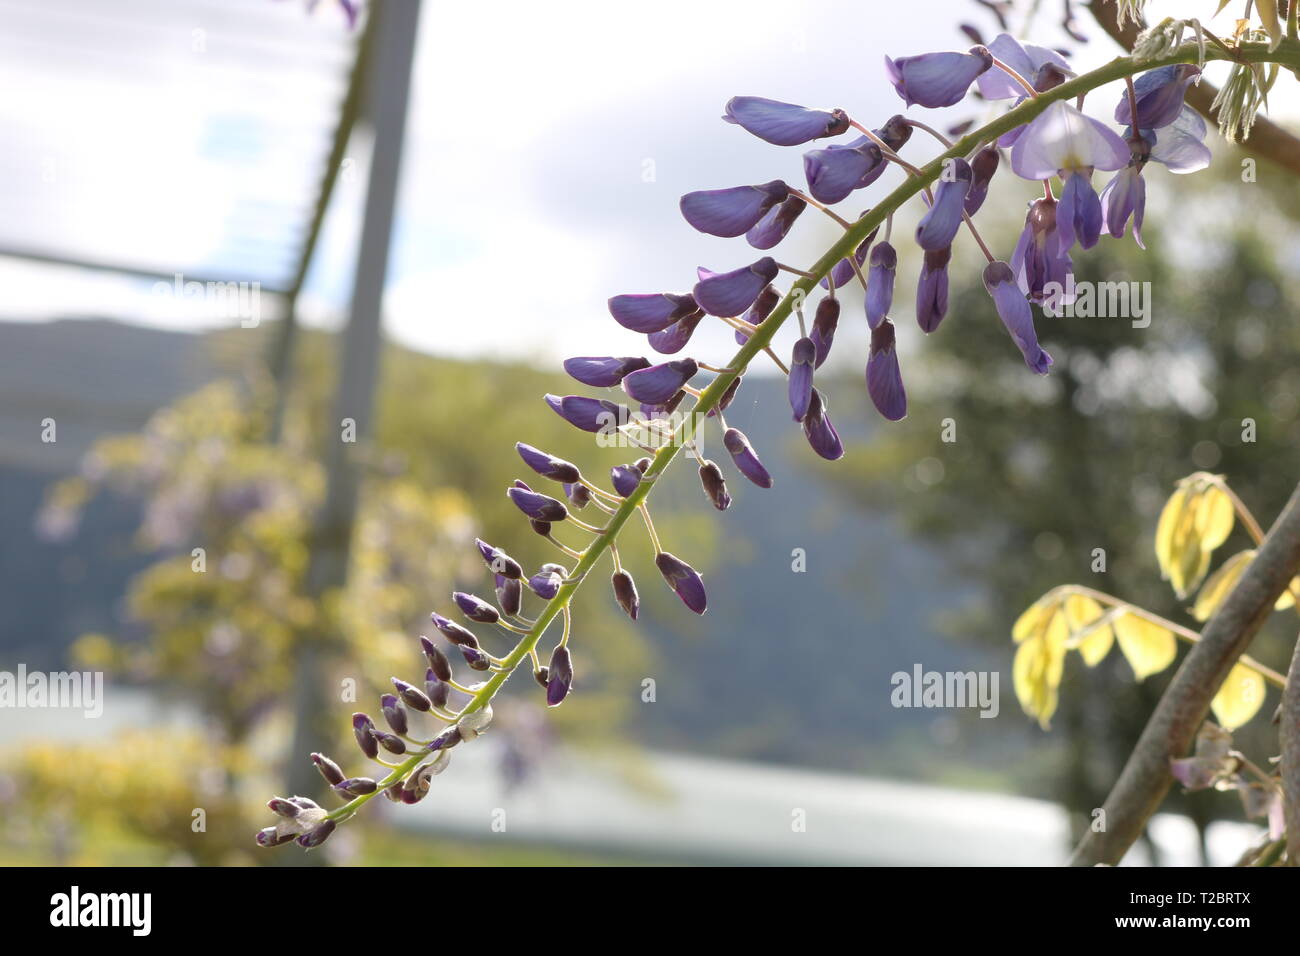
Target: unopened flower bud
<point x="364" y="730"/>
<point x="411" y="696"/>
<point x="318" y="835"/>
<point x="435" y="688"/>
<point x="394" y="713"/>
<point x="390" y="742"/>
<point x="356" y="786"/>
<point x="625" y="593"/>
<point x="283" y="807"/>
<point x="715" y="486"/>
<point x="438" y="662"/>
<point x="328" y="769"/>
<point x="560" y="677"/>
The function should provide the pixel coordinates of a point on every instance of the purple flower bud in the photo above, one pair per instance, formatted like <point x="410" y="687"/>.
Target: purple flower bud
<point x="983" y="166"/>
<point x="537" y="506"/>
<point x="540" y="527"/>
<point x="1159" y="95"/>
<point x="725" y="401"/>
<point x="390" y="742"/>
<point x="363" y="728"/>
<point x="821" y="434"/>
<point x="589" y="414"/>
<point x="436" y="688"/>
<point x="1124" y="196"/>
<point x="732" y="212"/>
<point x="542" y="675"/>
<point x="577" y="494"/>
<point x="438" y="662"/>
<point x="835" y="171"/>
<point x="1039" y="258"/>
<point x="476" y="659"/>
<point x="394" y="713"/>
<point x="625" y="593"/>
<point x="1078" y="213"/>
<point x="802" y="358"/>
<point x="271" y="836"/>
<point x="880" y="283"/>
<point x="774" y="225"/>
<point x="559" y="678"/>
<point x="932" y="289"/>
<point x="715" y="486"/>
<point x="546" y="582"/>
<point x="445" y="740"/>
<point x="884" y="380"/>
<point x="658" y="383"/>
<point x="317" y="835"/>
<point x="759" y="311"/>
<point x="684" y="580"/>
<point x="843" y="272"/>
<point x="642" y="465"/>
<point x="548" y="466"/>
<point x="453" y="632"/>
<point x="475" y="608"/>
<point x="650" y="312"/>
<point x="939" y="225"/>
<point x="783" y="124"/>
<point x="742" y="455"/>
<point x="674" y="338"/>
<point x="825" y="322"/>
<point x="1016" y="315"/>
<point x="731" y="293"/>
<point x="283" y="807"/>
<point x="933" y="80"/>
<point x="625" y="478"/>
<point x="498" y="561"/>
<point x="602" y="371"/>
<point x="328" y="768"/>
<point x="510" y="595"/>
<point x="412" y="696"/>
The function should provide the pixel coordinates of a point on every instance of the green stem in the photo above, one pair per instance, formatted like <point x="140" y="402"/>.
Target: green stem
<point x="1288" y="54"/>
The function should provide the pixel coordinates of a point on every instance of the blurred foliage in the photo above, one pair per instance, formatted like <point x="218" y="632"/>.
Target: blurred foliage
<point x="1044" y="470"/>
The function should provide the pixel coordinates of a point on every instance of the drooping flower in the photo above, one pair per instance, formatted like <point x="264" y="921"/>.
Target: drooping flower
<point x="475" y="608"/>
<point x="1013" y="310"/>
<point x="802" y="358"/>
<point x="837" y="170"/>
<point x="894" y="134"/>
<point x="589" y="414"/>
<point x="674" y="338"/>
<point x="453" y="632"/>
<point x="1159" y="95"/>
<point x="933" y="80"/>
<point x="546" y="582"/>
<point x="759" y="311"/>
<point x="732" y="212"/>
<point x="742" y="455"/>
<point x="625" y="593"/>
<point x="884" y="379"/>
<point x="602" y="371"/>
<point x="784" y="124"/>
<point x="932" y="289"/>
<point x="536" y="505"/>
<point x="715" y="486"/>
<point x="731" y="293"/>
<point x="559" y="676"/>
<point x="1026" y="59"/>
<point x="940" y="223"/>
<point x="983" y="166"/>
<point x="658" y="383"/>
<point x="624" y="478"/>
<point x="498" y="561"/>
<point x="1124" y="196"/>
<point x="771" y="229"/>
<point x="825" y="321"/>
<point x="684" y="580"/>
<point x="1039" y="258"/>
<point x="880" y="283"/>
<point x="650" y="312"/>
<point x="821" y="434"/>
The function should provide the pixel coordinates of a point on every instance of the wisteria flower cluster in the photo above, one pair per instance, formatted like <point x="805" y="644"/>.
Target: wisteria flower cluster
<point x="656" y="407"/>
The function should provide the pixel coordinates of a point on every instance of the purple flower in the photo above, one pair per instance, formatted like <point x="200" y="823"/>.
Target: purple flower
<point x="1180" y="147"/>
<point x="742" y="455"/>
<point x="801" y="376"/>
<point x="715" y="486"/>
<point x="1124" y="196"/>
<point x="880" y="283"/>
<point x="453" y="631"/>
<point x="1016" y="315"/>
<point x="684" y="580"/>
<point x="983" y="166"/>
<point x="821" y="434"/>
<point x="932" y="289"/>
<point x="625" y="593"/>
<point x="625" y="478"/>
<point x="537" y="506"/>
<point x="546" y="582"/>
<point x="823" y="331"/>
<point x="651" y="312"/>
<point x="548" y="466"/>
<point x="732" y="212"/>
<point x="438" y="663"/>
<point x="1078" y="214"/>
<point x="559" y="676"/>
<point x="674" y="338"/>
<point x="589" y="414"/>
<point x="843" y="272"/>
<point x="895" y="134"/>
<point x="1025" y="59"/>
<point x="771" y="229"/>
<point x="394" y="713"/>
<point x="602" y="371"/>
<point x="783" y="124"/>
<point x="411" y="695"/>
<point x="837" y="170"/>
<point x="884" y="379"/>
<point x="658" y="383"/>
<point x="1039" y="258"/>
<point x="1159" y="95"/>
<point x="498" y="561"/>
<point x="759" y="311"/>
<point x="940" y="224"/>
<point x="933" y="80"/>
<point x="510" y="595"/>
<point x="475" y="608"/>
<point x="1062" y="140"/>
<point x="731" y="293"/>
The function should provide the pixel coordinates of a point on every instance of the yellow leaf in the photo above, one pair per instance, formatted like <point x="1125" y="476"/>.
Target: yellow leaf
<point x="1220" y="584"/>
<point x="1036" y="617"/>
<point x="1080" y="611"/>
<point x="1148" y="647"/>
<point x="1240" y="697"/>
<point x="1037" y="669"/>
<point x="1167" y="527"/>
<point x="1214" y="517"/>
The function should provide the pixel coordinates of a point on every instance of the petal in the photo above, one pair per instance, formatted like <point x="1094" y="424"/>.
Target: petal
<point x="731" y="293"/>
<point x="731" y="212"/>
<point x="836" y="171"/>
<point x="674" y="338"/>
<point x="771" y="229"/>
<point x="933" y="80"/>
<point x="589" y="414"/>
<point x="651" y="312"/>
<point x="821" y="434"/>
<point x="1016" y="315"/>
<point x="659" y="383"/>
<point x="684" y="580"/>
<point x="1159" y="95"/>
<point x="625" y="478"/>
<point x="823" y="331"/>
<point x="884" y="378"/>
<point x="548" y="466"/>
<point x="880" y="283"/>
<point x="801" y="377"/>
<point x="783" y="124"/>
<point x="1063" y="138"/>
<point x="602" y="371"/>
<point x="932" y="290"/>
<point x="1180" y="147"/>
<point x="746" y="462"/>
<point x="1026" y="60"/>
<point x="940" y="223"/>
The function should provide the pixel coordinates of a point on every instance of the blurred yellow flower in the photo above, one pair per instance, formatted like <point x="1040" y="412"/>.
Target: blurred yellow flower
<point x="1197" y="518"/>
